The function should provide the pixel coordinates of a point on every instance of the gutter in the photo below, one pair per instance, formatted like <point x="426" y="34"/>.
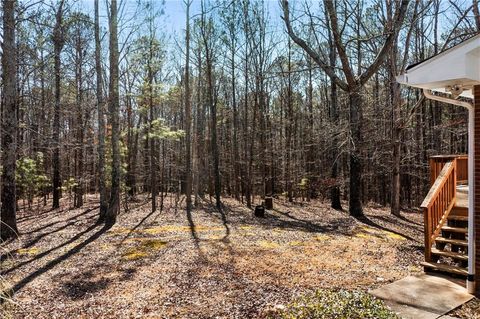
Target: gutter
<point x="471" y="192"/>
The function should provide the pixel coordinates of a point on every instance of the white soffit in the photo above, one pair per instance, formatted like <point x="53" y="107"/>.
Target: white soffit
<point x="458" y="66"/>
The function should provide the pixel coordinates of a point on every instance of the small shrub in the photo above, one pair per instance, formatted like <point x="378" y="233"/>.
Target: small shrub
<point x="336" y="304"/>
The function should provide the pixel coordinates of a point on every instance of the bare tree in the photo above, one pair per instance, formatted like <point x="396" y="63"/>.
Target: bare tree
<point x="353" y="83"/>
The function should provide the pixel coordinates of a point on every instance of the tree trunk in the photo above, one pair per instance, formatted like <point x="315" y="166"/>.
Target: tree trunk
<point x="476" y="14"/>
<point x="395" y="104"/>
<point x="213" y="114"/>
<point x="236" y="153"/>
<point x="289" y="125"/>
<point x="396" y="136"/>
<point x="58" y="43"/>
<point x="114" y="108"/>
<point x="78" y="202"/>
<point x="101" y="118"/>
<point x="132" y="140"/>
<point x="334" y="118"/>
<point x="335" y="190"/>
<point x="8" y="220"/>
<point x="188" y="114"/>
<point x="213" y="107"/>
<point x="355" y="103"/>
<point x="153" y="166"/>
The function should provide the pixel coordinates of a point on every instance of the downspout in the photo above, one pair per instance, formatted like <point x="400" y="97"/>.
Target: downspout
<point x="471" y="224"/>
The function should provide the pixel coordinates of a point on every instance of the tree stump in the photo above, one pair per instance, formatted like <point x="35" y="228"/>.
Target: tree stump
<point x="268" y="202"/>
<point x="259" y="211"/>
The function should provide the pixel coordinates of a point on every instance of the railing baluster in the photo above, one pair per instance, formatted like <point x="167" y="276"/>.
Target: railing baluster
<point x="440" y="199"/>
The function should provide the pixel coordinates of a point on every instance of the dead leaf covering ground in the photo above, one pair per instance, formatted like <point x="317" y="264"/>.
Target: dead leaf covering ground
<point x="211" y="264"/>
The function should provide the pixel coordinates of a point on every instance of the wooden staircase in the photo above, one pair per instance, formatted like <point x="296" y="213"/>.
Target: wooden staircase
<point x="446" y="218"/>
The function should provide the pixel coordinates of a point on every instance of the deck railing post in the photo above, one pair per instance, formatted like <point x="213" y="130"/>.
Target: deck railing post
<point x="428" y="244"/>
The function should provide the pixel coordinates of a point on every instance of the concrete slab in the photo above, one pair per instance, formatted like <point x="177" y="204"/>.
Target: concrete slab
<point x="423" y="296"/>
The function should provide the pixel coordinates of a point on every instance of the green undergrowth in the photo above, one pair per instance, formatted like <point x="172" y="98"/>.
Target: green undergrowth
<point x="335" y="304"/>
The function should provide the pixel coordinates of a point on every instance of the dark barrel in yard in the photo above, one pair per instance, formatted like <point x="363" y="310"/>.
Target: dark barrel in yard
<point x="259" y="211"/>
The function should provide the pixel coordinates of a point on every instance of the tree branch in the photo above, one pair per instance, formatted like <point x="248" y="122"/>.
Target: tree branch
<point x="398" y="21"/>
<point x="314" y="55"/>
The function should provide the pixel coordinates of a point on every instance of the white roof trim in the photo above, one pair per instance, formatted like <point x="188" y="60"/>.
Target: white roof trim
<point x="458" y="66"/>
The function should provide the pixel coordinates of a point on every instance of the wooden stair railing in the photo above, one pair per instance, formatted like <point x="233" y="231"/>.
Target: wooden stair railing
<point x="438" y="204"/>
<point x="438" y="161"/>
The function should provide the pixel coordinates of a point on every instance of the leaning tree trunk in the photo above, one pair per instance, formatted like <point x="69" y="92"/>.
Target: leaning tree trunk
<point x="8" y="220"/>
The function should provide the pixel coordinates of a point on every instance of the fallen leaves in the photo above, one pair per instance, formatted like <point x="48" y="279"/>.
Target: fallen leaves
<point x="166" y="266"/>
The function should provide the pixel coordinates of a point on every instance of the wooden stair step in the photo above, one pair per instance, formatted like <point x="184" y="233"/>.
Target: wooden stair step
<point x="450" y="254"/>
<point x="461" y="230"/>
<point x="458" y="242"/>
<point x="445" y="268"/>
<point x="458" y="217"/>
<point x="457" y="210"/>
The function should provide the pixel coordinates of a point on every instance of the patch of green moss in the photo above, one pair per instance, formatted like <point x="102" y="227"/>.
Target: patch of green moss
<point x="336" y="304"/>
<point x="372" y="233"/>
<point x="153" y="244"/>
<point x="28" y="251"/>
<point x="268" y="244"/>
<point x="394" y="236"/>
<point x="134" y="254"/>
<point x="322" y="237"/>
<point x="143" y="249"/>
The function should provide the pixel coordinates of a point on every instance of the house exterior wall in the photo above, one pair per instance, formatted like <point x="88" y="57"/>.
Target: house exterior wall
<point x="476" y="94"/>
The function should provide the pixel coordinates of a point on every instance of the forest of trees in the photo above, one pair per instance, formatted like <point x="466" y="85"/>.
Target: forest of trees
<point x="248" y="99"/>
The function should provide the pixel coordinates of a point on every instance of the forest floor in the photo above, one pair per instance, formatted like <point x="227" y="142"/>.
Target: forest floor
<point x="208" y="264"/>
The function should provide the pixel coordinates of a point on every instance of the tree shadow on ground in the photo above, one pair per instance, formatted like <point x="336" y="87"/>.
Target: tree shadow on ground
<point x="285" y="220"/>
<point x="140" y="223"/>
<point x="51" y="250"/>
<point x="220" y="213"/>
<point x="73" y="218"/>
<point x="85" y="283"/>
<point x="35" y="240"/>
<point x="27" y="216"/>
<point x="51" y="264"/>
<point x="73" y="222"/>
<point x="193" y="232"/>
<point x="404" y="220"/>
<point x="368" y="221"/>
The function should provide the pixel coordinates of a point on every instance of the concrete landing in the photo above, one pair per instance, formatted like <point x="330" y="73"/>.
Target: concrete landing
<point x="423" y="296"/>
